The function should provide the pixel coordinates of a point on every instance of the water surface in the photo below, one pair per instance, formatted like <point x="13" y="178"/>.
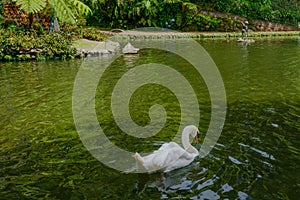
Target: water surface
<point x="256" y="157"/>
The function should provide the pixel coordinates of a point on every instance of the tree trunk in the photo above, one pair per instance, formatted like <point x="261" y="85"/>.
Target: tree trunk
<point x="30" y="17"/>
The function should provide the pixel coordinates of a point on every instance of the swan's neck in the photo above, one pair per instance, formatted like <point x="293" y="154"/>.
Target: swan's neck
<point x="185" y="139"/>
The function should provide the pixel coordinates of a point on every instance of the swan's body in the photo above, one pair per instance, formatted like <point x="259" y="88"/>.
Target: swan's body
<point x="170" y="155"/>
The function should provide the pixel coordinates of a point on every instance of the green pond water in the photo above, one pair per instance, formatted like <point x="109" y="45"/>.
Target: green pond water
<point x="256" y="157"/>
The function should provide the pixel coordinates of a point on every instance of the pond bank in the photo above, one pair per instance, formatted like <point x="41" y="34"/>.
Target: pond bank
<point x="94" y="48"/>
<point x="87" y="47"/>
<point x="171" y="34"/>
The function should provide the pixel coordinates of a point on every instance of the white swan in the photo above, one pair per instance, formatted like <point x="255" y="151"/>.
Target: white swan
<point x="170" y="155"/>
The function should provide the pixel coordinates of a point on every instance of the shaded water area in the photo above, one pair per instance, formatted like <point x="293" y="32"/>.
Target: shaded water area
<point x="256" y="157"/>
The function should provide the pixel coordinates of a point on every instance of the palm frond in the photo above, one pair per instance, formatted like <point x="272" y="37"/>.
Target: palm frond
<point x="31" y="6"/>
<point x="81" y="7"/>
<point x="66" y="10"/>
<point x="63" y="10"/>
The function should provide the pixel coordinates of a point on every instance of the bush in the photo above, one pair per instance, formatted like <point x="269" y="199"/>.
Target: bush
<point x="28" y="45"/>
<point x="77" y="32"/>
<point x="159" y="13"/>
<point x="21" y="44"/>
<point x="135" y="14"/>
<point x="207" y="23"/>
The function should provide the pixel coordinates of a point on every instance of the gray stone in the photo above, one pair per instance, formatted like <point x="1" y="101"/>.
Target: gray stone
<point x="129" y="49"/>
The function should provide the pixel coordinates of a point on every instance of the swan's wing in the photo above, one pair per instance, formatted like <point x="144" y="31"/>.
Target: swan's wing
<point x="160" y="158"/>
<point x="184" y="160"/>
<point x="167" y="154"/>
<point x="168" y="157"/>
<point x="177" y="157"/>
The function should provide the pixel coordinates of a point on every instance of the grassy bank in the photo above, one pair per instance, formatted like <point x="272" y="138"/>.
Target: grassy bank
<point x="250" y="34"/>
<point x="158" y="35"/>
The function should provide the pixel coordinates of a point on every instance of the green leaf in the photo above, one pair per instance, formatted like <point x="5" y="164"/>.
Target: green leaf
<point x="31" y="6"/>
<point x="81" y="7"/>
<point x="67" y="10"/>
<point x="190" y="6"/>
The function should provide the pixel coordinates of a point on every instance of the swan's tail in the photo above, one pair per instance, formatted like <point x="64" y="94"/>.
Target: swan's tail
<point x="139" y="162"/>
<point x="139" y="159"/>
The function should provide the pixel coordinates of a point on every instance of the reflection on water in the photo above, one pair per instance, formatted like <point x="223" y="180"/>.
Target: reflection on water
<point x="257" y="155"/>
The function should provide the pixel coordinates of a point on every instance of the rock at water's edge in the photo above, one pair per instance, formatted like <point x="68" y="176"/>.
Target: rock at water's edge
<point x="129" y="49"/>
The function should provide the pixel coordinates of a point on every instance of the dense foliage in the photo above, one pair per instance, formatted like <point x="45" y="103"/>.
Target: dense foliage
<point x="19" y="44"/>
<point x="279" y="11"/>
<point x="174" y="14"/>
<point x="177" y="14"/>
<point x="129" y="14"/>
<point x="66" y="10"/>
<point x="206" y="23"/>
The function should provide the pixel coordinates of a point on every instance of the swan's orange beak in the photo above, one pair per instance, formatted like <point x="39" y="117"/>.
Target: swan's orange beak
<point x="197" y="138"/>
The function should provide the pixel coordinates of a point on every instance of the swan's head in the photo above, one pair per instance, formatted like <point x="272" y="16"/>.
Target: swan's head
<point x="194" y="132"/>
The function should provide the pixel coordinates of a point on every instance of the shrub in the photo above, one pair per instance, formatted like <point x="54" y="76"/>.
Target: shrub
<point x="77" y="32"/>
<point x="207" y="23"/>
<point x="26" y="45"/>
<point x="21" y="44"/>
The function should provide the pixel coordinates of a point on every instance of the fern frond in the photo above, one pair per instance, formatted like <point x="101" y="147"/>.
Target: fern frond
<point x="81" y="7"/>
<point x="31" y="6"/>
<point x="67" y="10"/>
<point x="63" y="10"/>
